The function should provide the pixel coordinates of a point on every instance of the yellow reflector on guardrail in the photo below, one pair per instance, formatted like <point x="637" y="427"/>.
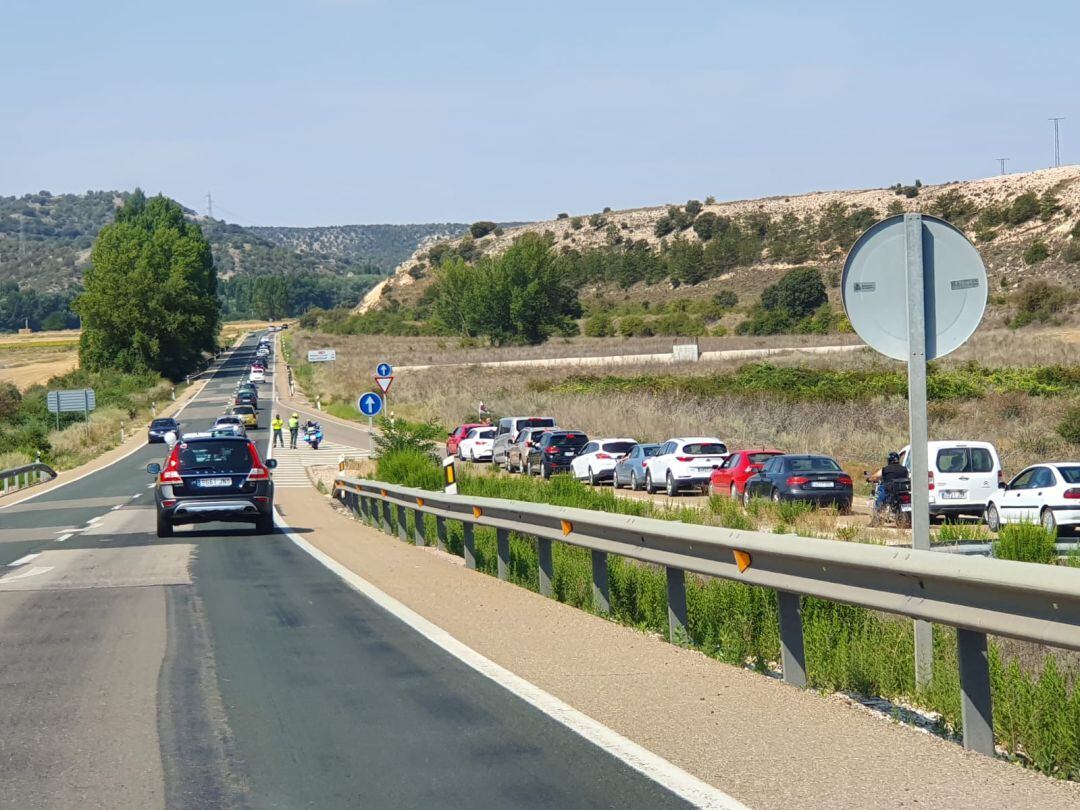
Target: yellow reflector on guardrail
<point x="477" y="512"/>
<point x="567" y="527"/>
<point x="420" y="502"/>
<point x="742" y="559"/>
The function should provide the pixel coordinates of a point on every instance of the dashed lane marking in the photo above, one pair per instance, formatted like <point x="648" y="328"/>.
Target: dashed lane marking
<point x="24" y="560"/>
<point x="62" y="538"/>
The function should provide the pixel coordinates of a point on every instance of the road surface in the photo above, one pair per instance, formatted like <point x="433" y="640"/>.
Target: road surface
<point x="220" y="668"/>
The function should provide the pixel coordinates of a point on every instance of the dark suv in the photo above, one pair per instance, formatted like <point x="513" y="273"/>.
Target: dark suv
<point x="554" y="451"/>
<point x="213" y="477"/>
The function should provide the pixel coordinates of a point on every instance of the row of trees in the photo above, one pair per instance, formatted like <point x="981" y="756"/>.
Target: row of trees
<point x="19" y="307"/>
<point x="287" y="295"/>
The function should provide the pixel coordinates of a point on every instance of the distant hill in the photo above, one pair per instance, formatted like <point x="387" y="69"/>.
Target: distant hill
<point x="45" y="242"/>
<point x="383" y="246"/>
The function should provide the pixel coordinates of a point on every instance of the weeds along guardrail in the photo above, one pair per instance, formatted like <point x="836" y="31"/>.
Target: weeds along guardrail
<point x="976" y="596"/>
<point x="25" y="476"/>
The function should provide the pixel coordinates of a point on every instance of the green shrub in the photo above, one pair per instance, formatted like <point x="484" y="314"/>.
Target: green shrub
<point x="1039" y="300"/>
<point x="1069" y="429"/>
<point x="410" y="468"/>
<point x="599" y="326"/>
<point x="1023" y="208"/>
<point x="1036" y="252"/>
<point x="725" y="299"/>
<point x="1025" y="542"/>
<point x="576" y="223"/>
<point x="399" y="435"/>
<point x="481" y="229"/>
<point x="692" y="208"/>
<point x="634" y="326"/>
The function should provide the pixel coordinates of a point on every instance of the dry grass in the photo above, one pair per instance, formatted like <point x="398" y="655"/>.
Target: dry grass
<point x="32" y="363"/>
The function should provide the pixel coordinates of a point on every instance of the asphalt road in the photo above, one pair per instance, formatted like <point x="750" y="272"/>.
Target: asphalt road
<point x="220" y="668"/>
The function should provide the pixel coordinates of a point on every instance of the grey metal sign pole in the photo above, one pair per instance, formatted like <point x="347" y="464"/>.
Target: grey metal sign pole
<point x="920" y="495"/>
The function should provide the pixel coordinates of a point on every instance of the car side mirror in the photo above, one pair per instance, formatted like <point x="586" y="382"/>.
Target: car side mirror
<point x="153" y="468"/>
<point x="271" y="463"/>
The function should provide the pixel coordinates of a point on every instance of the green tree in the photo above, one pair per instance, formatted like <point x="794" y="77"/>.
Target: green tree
<point x="799" y="293"/>
<point x="481" y="229"/>
<point x="270" y="297"/>
<point x="150" y="302"/>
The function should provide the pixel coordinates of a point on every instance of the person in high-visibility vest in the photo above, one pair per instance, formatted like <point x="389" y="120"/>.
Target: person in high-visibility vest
<point x="294" y="428"/>
<point x="277" y="424"/>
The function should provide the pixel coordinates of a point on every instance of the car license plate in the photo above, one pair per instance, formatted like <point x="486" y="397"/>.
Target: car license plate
<point x="568" y="452"/>
<point x="953" y="494"/>
<point x="905" y="507"/>
<point x="821" y="484"/>
<point x="702" y="469"/>
<point x="207" y="483"/>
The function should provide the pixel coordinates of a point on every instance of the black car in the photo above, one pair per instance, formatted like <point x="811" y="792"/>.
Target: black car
<point x="159" y="427"/>
<point x="816" y="479"/>
<point x="554" y="451"/>
<point x="246" y="398"/>
<point x="211" y="477"/>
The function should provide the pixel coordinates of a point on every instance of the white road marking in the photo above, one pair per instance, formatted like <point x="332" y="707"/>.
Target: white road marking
<point x="23" y="560"/>
<point x="136" y="495"/>
<point x="33" y="571"/>
<point x="151" y="486"/>
<point x="90" y="523"/>
<point x="653" y="766"/>
<point x="118" y="506"/>
<point x="63" y="537"/>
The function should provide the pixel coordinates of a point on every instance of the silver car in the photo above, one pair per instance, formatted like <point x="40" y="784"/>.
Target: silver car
<point x="630" y="469"/>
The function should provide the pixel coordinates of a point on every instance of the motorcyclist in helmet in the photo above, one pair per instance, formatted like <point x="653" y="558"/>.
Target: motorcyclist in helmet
<point x="892" y="471"/>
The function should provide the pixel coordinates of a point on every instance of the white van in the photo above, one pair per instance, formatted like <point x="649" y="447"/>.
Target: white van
<point x="963" y="476"/>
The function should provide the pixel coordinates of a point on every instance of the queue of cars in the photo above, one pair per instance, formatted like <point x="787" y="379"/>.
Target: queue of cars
<point x="965" y="477"/>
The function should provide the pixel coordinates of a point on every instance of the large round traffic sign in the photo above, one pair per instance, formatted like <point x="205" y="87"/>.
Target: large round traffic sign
<point x="369" y="404"/>
<point x="875" y="287"/>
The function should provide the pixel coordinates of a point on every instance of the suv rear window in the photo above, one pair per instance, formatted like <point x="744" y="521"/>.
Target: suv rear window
<point x="536" y="422"/>
<point x="814" y="464"/>
<point x="759" y="458"/>
<point x="703" y="449"/>
<point x="965" y="460"/>
<point x="617" y="447"/>
<point x="242" y="409"/>
<point x="223" y="456"/>
<point x="483" y="434"/>
<point x="569" y="439"/>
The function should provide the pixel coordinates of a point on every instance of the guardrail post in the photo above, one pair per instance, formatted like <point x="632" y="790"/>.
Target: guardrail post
<point x="363" y="508"/>
<point x="976" y="709"/>
<point x="502" y="543"/>
<point x="676" y="606"/>
<point x="792" y="655"/>
<point x="387" y="529"/>
<point x="468" y="544"/>
<point x="419" y="535"/>
<point x="601" y="595"/>
<point x="402" y="523"/>
<point x="547" y="568"/>
<point x="440" y="533"/>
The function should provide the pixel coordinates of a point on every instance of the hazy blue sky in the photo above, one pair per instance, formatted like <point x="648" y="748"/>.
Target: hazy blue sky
<point x="307" y="112"/>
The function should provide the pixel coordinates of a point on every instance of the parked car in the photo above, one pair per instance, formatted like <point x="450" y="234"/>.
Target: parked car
<point x="508" y="429"/>
<point x="963" y="476"/>
<point x="685" y="462"/>
<point x="517" y="453"/>
<point x="630" y="469"/>
<point x="156" y="430"/>
<point x="730" y="477"/>
<point x="813" y="478"/>
<point x="1044" y="493"/>
<point x="212" y="478"/>
<point x="595" y="462"/>
<point x="553" y="452"/>
<point x="477" y="445"/>
<point x="229" y="421"/>
<point x="454" y="437"/>
<point x="246" y="398"/>
<point x="247" y="416"/>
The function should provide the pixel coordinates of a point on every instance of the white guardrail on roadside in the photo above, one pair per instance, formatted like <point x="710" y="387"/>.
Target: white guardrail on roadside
<point x="977" y="596"/>
<point x="25" y="476"/>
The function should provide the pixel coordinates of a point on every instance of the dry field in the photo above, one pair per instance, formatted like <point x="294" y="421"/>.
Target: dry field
<point x="29" y="363"/>
<point x="857" y="434"/>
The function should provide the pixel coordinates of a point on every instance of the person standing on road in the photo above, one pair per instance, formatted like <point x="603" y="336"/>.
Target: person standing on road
<point x="277" y="424"/>
<point x="294" y="428"/>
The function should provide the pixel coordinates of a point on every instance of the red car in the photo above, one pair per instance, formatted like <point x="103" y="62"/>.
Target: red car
<point x="730" y="477"/>
<point x="454" y="437"/>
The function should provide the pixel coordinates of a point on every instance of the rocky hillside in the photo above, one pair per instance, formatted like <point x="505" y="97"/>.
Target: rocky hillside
<point x="1025" y="225"/>
<point x="382" y="246"/>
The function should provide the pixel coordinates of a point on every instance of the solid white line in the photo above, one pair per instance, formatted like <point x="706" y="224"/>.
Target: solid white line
<point x="664" y="773"/>
<point x="23" y="560"/>
<point x="62" y="538"/>
<point x="118" y="506"/>
<point x="136" y="495"/>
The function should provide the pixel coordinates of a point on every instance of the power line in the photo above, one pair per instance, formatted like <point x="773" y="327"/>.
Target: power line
<point x="1001" y="162"/>
<point x="1057" y="140"/>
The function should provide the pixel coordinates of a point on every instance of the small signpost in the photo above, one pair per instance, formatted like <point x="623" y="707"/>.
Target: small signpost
<point x="384" y="378"/>
<point x="914" y="288"/>
<point x="384" y="370"/>
<point x="370" y="405"/>
<point x="71" y="401"/>
<point x="321" y="355"/>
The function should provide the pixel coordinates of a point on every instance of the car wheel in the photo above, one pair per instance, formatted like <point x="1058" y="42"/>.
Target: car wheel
<point x="776" y="496"/>
<point x="164" y="528"/>
<point x="993" y="519"/>
<point x="265" y="524"/>
<point x="615" y="479"/>
<point x="1048" y="521"/>
<point x="545" y="472"/>
<point x="591" y="478"/>
<point x="649" y="484"/>
<point x="746" y="497"/>
<point x="472" y="456"/>
<point x="633" y="481"/>
<point x="669" y="483"/>
<point x="734" y="492"/>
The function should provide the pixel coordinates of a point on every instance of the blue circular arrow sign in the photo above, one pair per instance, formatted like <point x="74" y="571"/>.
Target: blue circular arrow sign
<point x="369" y="404"/>
<point x="384" y="370"/>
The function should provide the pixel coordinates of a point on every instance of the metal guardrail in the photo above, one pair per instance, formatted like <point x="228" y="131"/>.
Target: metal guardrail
<point x="25" y="476"/>
<point x="977" y="596"/>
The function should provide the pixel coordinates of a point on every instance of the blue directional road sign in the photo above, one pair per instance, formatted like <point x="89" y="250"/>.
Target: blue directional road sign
<point x="369" y="404"/>
<point x="384" y="370"/>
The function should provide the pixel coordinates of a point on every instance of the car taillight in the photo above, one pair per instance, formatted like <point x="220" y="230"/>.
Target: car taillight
<point x="844" y="480"/>
<point x="170" y="477"/>
<point x="258" y="471"/>
<point x="602" y="455"/>
<point x="1001" y="479"/>
<point x="171" y="473"/>
<point x="684" y="458"/>
<point x="931" y="479"/>
<point x="797" y="481"/>
<point x="644" y="464"/>
<point x="1072" y="494"/>
<point x="552" y="450"/>
<point x="905" y="497"/>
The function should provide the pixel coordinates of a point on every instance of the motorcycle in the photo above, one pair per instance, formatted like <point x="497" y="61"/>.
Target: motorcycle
<point x="313" y="435"/>
<point x="896" y="510"/>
